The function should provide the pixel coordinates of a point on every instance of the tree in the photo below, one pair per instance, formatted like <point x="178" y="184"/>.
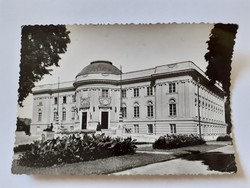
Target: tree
<point x="41" y="46"/>
<point x="219" y="58"/>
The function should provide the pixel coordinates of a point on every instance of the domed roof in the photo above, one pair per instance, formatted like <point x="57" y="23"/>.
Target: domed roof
<point x="99" y="67"/>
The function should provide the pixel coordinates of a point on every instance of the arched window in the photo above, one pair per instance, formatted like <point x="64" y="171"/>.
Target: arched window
<point x="172" y="107"/>
<point x="150" y="109"/>
<point x="124" y="110"/>
<point x="39" y="114"/>
<point x="72" y="113"/>
<point x="136" y="110"/>
<point x="63" y="114"/>
<point x="55" y="114"/>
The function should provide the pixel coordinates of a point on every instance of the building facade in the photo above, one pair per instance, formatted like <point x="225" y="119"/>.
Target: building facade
<point x="167" y="99"/>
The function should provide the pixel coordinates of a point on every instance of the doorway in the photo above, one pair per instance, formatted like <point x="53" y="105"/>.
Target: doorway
<point x="84" y="120"/>
<point x="105" y="120"/>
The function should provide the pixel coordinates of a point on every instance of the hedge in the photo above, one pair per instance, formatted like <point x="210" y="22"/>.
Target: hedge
<point x="176" y="141"/>
<point x="224" y="138"/>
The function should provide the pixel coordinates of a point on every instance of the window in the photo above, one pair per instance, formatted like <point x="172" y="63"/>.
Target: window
<point x="64" y="114"/>
<point x="73" y="98"/>
<point x="105" y="93"/>
<point x="172" y="88"/>
<point x="172" y="128"/>
<point x="124" y="93"/>
<point x="64" y="99"/>
<point x="136" y="110"/>
<point x="150" y="129"/>
<point x="72" y="113"/>
<point x="40" y="103"/>
<point x="55" y="116"/>
<point x="124" y="112"/>
<point x="55" y="100"/>
<point x="136" y="92"/>
<point x="172" y="107"/>
<point x="39" y="115"/>
<point x="136" y="128"/>
<point x="150" y="109"/>
<point x="149" y="91"/>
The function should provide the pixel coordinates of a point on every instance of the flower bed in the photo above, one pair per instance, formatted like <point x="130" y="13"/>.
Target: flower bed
<point x="75" y="149"/>
<point x="176" y="141"/>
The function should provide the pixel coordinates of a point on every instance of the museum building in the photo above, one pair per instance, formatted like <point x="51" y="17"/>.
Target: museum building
<point x="168" y="99"/>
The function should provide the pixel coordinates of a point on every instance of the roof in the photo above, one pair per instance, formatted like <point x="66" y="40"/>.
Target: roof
<point x="99" y="67"/>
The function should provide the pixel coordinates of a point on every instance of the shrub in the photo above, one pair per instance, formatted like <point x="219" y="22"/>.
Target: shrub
<point x="75" y="149"/>
<point x="176" y="141"/>
<point x="22" y="148"/>
<point x="224" y="138"/>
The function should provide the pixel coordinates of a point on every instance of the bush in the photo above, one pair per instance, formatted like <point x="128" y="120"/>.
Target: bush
<point x="176" y="141"/>
<point x="75" y="149"/>
<point x="224" y="138"/>
<point x="22" y="148"/>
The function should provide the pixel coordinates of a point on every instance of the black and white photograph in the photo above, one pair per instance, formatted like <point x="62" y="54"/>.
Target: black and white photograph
<point x="134" y="99"/>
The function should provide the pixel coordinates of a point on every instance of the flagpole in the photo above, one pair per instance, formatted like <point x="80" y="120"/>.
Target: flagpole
<point x="57" y="118"/>
<point x="121" y="115"/>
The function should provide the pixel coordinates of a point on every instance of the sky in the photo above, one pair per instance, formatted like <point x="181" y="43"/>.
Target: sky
<point x="134" y="47"/>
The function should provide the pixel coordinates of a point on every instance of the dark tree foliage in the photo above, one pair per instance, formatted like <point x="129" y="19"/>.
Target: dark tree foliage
<point x="41" y="46"/>
<point x="219" y="58"/>
<point x="220" y="52"/>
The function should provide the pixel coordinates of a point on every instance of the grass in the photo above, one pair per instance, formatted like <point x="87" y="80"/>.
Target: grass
<point x="182" y="150"/>
<point x="97" y="167"/>
<point x="112" y="164"/>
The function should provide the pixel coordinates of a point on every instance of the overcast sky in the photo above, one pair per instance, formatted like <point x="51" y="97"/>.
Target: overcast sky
<point x="135" y="47"/>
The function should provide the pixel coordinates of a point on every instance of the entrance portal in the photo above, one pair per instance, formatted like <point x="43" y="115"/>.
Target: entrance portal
<point x="105" y="120"/>
<point x="84" y="120"/>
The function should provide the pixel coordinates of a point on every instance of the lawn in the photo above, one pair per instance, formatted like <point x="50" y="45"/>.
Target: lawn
<point x="177" y="151"/>
<point x="97" y="167"/>
<point x="112" y="164"/>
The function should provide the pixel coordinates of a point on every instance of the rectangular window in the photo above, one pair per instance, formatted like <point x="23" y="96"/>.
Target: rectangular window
<point x="39" y="116"/>
<point x="172" y="88"/>
<point x="64" y="115"/>
<point x="40" y="103"/>
<point x="136" y="111"/>
<point x="149" y="91"/>
<point x="105" y="93"/>
<point x="124" y="112"/>
<point x="124" y="93"/>
<point x="172" y="128"/>
<point x="64" y="99"/>
<point x="73" y="98"/>
<point x="150" y="111"/>
<point x="136" y="92"/>
<point x="136" y="128"/>
<point x="55" y="100"/>
<point x="172" y="109"/>
<point x="150" y="129"/>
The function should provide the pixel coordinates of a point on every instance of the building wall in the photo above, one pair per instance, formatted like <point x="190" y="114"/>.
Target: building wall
<point x="87" y="90"/>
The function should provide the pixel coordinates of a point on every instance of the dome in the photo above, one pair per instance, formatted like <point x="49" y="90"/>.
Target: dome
<point x="99" y="67"/>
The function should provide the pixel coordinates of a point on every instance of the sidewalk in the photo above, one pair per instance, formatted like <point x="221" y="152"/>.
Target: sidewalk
<point x="178" y="166"/>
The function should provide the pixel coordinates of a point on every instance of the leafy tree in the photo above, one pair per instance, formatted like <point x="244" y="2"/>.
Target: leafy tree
<point x="41" y="46"/>
<point x="219" y="58"/>
<point x="220" y="52"/>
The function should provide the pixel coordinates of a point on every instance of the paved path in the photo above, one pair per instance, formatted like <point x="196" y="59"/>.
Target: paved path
<point x="177" y="166"/>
